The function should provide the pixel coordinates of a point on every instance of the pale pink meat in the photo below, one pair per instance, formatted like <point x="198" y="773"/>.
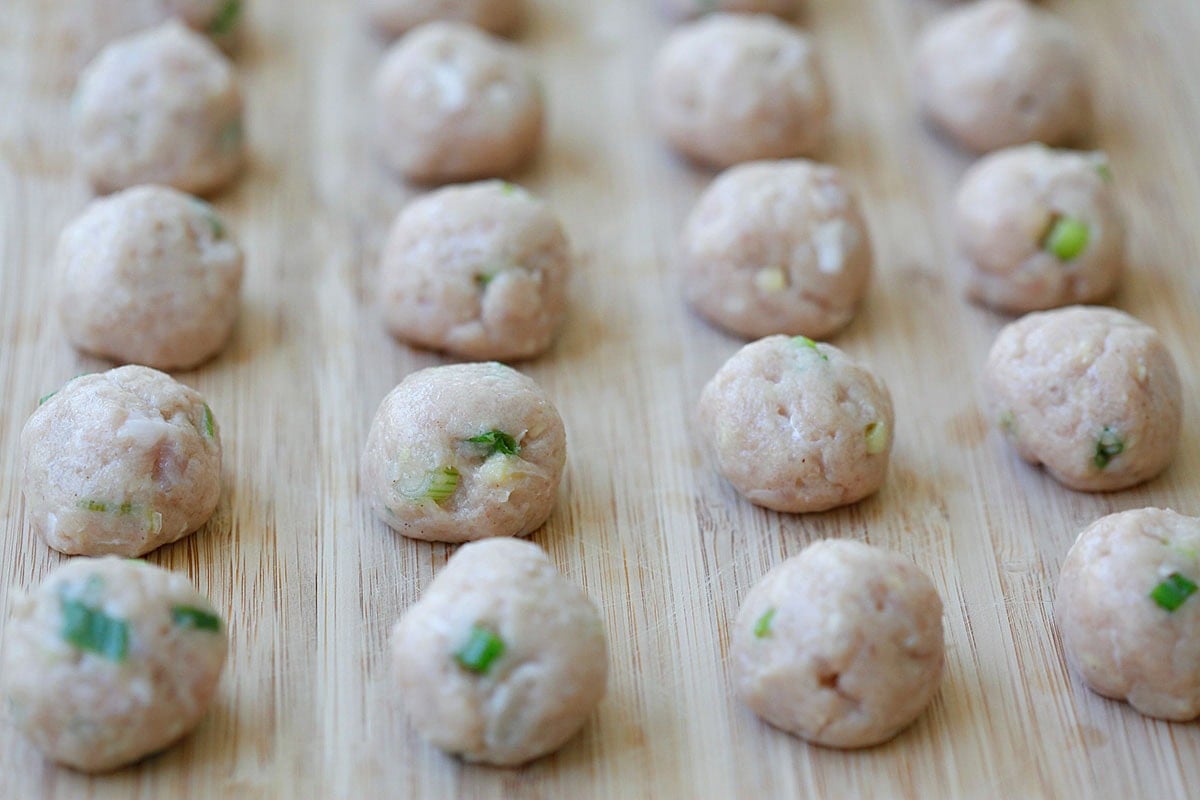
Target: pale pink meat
<point x="396" y="17"/>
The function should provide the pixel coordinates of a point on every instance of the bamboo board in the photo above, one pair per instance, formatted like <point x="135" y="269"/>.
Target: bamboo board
<point x="312" y="584"/>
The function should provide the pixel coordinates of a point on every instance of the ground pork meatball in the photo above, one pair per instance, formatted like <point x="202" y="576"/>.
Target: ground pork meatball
<point x="1090" y="393"/>
<point x="111" y="660"/>
<point x="161" y="106"/>
<point x="1126" y="608"/>
<point x="1003" y="72"/>
<point x="464" y="452"/>
<point x="479" y="271"/>
<point x="453" y="104"/>
<point x="503" y="659"/>
<point x="686" y="9"/>
<point x="735" y="87"/>
<point x="798" y="426"/>
<point x="840" y="645"/>
<point x="120" y="462"/>
<point x="149" y="276"/>
<point x="1039" y="228"/>
<point x="776" y="247"/>
<point x="394" y="17"/>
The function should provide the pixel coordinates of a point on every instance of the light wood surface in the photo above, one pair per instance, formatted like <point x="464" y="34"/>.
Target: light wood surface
<point x="312" y="584"/>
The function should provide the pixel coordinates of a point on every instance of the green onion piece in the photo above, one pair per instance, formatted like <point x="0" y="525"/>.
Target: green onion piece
<point x="497" y="442"/>
<point x="804" y="341"/>
<point x="226" y="19"/>
<point x="89" y="628"/>
<point x="1105" y="171"/>
<point x="480" y="651"/>
<point x="482" y="279"/>
<point x="210" y="427"/>
<point x="93" y="505"/>
<point x="1108" y="447"/>
<point x="762" y="628"/>
<point x="508" y="188"/>
<point x="441" y="484"/>
<point x="1171" y="593"/>
<point x="46" y="397"/>
<point x="877" y="438"/>
<point x="198" y="618"/>
<point x="1067" y="238"/>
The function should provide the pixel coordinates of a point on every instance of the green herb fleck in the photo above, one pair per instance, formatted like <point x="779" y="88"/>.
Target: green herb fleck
<point x="210" y="427"/>
<point x="439" y="484"/>
<point x="45" y="397"/>
<point x="93" y="505"/>
<point x="226" y="19"/>
<point x="877" y="437"/>
<point x="1008" y="423"/>
<point x="89" y="628"/>
<point x="497" y="442"/>
<point x="762" y="628"/>
<point x="508" y="188"/>
<point x="480" y="651"/>
<point x="482" y="279"/>
<point x="1104" y="171"/>
<point x="1066" y="238"/>
<point x="1171" y="593"/>
<point x="1108" y="447"/>
<point x="198" y="618"/>
<point x="804" y="341"/>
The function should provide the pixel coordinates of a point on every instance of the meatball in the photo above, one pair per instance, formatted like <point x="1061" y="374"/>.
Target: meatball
<point x="110" y="660"/>
<point x="776" y="247"/>
<point x="1039" y="228"/>
<point x="120" y="462"/>
<point x="1089" y="393"/>
<point x="686" y="9"/>
<point x="454" y="104"/>
<point x="503" y="659"/>
<point x="83" y="27"/>
<point x="464" y="452"/>
<point x="734" y="87"/>
<point x="1129" y="623"/>
<point x="394" y="17"/>
<point x="1003" y="72"/>
<point x="161" y="106"/>
<point x="798" y="426"/>
<point x="479" y="271"/>
<point x="840" y="645"/>
<point x="150" y="276"/>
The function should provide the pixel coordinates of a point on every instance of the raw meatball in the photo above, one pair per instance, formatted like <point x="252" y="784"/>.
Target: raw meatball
<point x="111" y="660"/>
<point x="1003" y="72"/>
<point x="735" y="87"/>
<point x="1090" y="393"/>
<point x="1130" y="624"/>
<point x="453" y="104"/>
<point x="479" y="271"/>
<point x="1039" y="228"/>
<point x="464" y="452"/>
<point x="776" y="247"/>
<point x="686" y="9"/>
<point x="395" y="17"/>
<point x="797" y="426"/>
<point x="161" y="106"/>
<point x="149" y="276"/>
<point x="840" y="645"/>
<point x="83" y="27"/>
<point x="120" y="462"/>
<point x="503" y="659"/>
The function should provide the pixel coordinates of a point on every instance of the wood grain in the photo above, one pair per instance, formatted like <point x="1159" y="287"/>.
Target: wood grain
<point x="312" y="584"/>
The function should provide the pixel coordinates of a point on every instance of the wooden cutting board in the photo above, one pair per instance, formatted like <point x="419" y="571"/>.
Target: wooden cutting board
<point x="312" y="584"/>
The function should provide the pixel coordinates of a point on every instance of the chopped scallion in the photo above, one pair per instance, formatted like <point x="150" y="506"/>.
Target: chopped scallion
<point x="1108" y="447"/>
<point x="804" y="341"/>
<point x="480" y="651"/>
<point x="877" y="437"/>
<point x="226" y="19"/>
<point x="198" y="618"/>
<point x="762" y="628"/>
<point x="89" y="628"/>
<point x="1066" y="238"/>
<point x="210" y="427"/>
<point x="497" y="442"/>
<point x="1172" y="592"/>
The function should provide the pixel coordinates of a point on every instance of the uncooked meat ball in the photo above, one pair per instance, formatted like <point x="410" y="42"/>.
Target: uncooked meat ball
<point x="686" y="9"/>
<point x="735" y="87"/>
<point x="502" y="659"/>
<point x="120" y="462"/>
<point x="1003" y="72"/>
<point x="395" y="17"/>
<point x="1089" y="393"/>
<point x="798" y="426"/>
<point x="111" y="660"/>
<point x="479" y="271"/>
<point x="1126" y="608"/>
<point x="776" y="247"/>
<point x="463" y="452"/>
<point x="162" y="106"/>
<point x="454" y="104"/>
<point x="840" y="645"/>
<point x="1039" y="228"/>
<point x="149" y="276"/>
